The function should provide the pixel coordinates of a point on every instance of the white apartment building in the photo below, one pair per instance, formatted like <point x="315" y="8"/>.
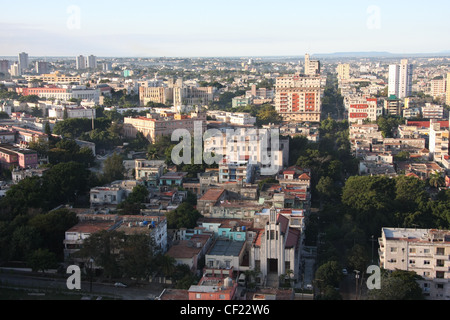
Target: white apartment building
<point x="253" y="145"/>
<point x="57" y="112"/>
<point x="438" y="141"/>
<point x="400" y="79"/>
<point x="235" y="118"/>
<point x="424" y="251"/>
<point x="433" y="112"/>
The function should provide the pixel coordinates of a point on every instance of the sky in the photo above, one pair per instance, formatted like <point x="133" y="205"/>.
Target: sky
<point x="207" y="28"/>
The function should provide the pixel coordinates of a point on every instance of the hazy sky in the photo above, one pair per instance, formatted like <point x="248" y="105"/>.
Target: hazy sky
<point x="221" y="28"/>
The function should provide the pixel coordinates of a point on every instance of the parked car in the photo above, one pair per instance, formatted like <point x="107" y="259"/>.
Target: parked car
<point x="120" y="285"/>
<point x="344" y="272"/>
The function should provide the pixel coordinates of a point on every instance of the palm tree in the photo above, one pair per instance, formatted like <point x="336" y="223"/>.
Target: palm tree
<point x="436" y="180"/>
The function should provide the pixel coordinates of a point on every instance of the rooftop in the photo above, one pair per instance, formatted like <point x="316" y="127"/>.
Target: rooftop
<point x="226" y="248"/>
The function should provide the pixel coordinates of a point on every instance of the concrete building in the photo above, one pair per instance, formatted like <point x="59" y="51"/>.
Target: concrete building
<point x="80" y="63"/>
<point x="438" y="87"/>
<point x="14" y="157"/>
<point x="312" y="67"/>
<point x="438" y="141"/>
<point x="149" y="171"/>
<point x="276" y="249"/>
<point x="424" y="251"/>
<point x="57" y="112"/>
<point x="447" y="94"/>
<point x="42" y="67"/>
<point x="343" y="71"/>
<point x="154" y="125"/>
<point x="75" y="236"/>
<point x="363" y="109"/>
<point x="23" y="62"/>
<point x="298" y="99"/>
<point x="433" y="112"/>
<point x="91" y="62"/>
<point x="63" y="94"/>
<point x="393" y="106"/>
<point x="400" y="79"/>
<point x="54" y="78"/>
<point x="4" y="66"/>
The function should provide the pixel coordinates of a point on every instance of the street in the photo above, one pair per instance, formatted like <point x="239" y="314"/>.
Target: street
<point x="142" y="292"/>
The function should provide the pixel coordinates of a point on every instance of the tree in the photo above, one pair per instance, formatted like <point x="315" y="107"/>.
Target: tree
<point x="398" y="285"/>
<point x="436" y="180"/>
<point x="65" y="181"/>
<point x="329" y="274"/>
<point x="113" y="169"/>
<point x="185" y="216"/>
<point x="137" y="256"/>
<point x="52" y="227"/>
<point x="326" y="188"/>
<point x="41" y="260"/>
<point x="104" y="248"/>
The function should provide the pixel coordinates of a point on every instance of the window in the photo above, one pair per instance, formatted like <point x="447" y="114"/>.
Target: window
<point x="198" y="296"/>
<point x="412" y="250"/>
<point x="440" y="251"/>
<point x="440" y="274"/>
<point x="426" y="262"/>
<point x="394" y="249"/>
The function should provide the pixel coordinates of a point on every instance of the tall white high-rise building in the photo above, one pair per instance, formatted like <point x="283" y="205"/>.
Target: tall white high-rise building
<point x="81" y="63"/>
<point x="23" y="61"/>
<point x="400" y="79"/>
<point x="92" y="62"/>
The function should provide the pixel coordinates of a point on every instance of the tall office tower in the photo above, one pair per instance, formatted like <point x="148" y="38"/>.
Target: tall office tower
<point x="4" y="66"/>
<point x="81" y="63"/>
<point x="91" y="62"/>
<point x="447" y="94"/>
<point x="23" y="62"/>
<point x="298" y="98"/>
<point x="400" y="79"/>
<point x="312" y="67"/>
<point x="343" y="71"/>
<point x="42" y="67"/>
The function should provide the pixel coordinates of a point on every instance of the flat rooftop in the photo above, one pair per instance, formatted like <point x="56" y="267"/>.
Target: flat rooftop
<point x="226" y="248"/>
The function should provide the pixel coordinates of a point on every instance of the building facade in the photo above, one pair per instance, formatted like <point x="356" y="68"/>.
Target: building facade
<point x="298" y="99"/>
<point x="423" y="251"/>
<point x="400" y="79"/>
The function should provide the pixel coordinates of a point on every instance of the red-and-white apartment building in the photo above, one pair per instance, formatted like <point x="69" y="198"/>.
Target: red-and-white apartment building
<point x="363" y="108"/>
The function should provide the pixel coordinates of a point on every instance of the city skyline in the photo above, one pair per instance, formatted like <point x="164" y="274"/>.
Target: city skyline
<point x="202" y="29"/>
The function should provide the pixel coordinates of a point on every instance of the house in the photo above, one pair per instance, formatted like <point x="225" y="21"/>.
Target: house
<point x="172" y="179"/>
<point x="75" y="236"/>
<point x="155" y="227"/>
<point x="214" y="285"/>
<point x="190" y="252"/>
<point x="211" y="198"/>
<point x="149" y="171"/>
